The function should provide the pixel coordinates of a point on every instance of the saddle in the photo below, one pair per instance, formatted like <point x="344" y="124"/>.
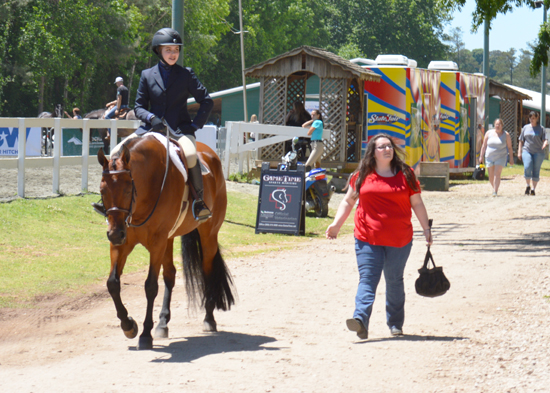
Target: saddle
<point x="122" y="113"/>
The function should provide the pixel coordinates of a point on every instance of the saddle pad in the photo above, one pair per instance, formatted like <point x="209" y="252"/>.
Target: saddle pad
<point x="173" y="153"/>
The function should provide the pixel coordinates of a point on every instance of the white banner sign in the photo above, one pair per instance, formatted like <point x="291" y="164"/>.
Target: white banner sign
<point x="9" y="138"/>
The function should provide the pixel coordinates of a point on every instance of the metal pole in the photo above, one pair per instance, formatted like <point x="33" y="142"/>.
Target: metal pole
<point x="486" y="72"/>
<point x="177" y="23"/>
<point x="543" y="83"/>
<point x="242" y="60"/>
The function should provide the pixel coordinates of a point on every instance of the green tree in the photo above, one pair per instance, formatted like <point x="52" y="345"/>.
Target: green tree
<point x="410" y="28"/>
<point x="272" y="28"/>
<point x="487" y="10"/>
<point x="457" y="45"/>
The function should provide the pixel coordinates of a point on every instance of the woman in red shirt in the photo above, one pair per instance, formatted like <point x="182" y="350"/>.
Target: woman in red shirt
<point x="387" y="190"/>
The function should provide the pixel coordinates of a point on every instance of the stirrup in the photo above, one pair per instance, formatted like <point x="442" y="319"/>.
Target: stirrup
<point x="99" y="208"/>
<point x="200" y="211"/>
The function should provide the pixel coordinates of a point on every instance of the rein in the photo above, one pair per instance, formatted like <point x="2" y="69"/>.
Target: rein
<point x="128" y="220"/>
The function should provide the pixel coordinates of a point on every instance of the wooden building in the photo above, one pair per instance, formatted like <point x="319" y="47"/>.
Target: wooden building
<point x="284" y="79"/>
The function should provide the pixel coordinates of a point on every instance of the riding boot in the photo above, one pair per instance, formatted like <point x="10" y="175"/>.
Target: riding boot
<point x="99" y="208"/>
<point x="200" y="210"/>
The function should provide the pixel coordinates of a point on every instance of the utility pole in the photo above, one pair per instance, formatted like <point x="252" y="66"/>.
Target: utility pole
<point x="242" y="60"/>
<point x="543" y="87"/>
<point x="486" y="71"/>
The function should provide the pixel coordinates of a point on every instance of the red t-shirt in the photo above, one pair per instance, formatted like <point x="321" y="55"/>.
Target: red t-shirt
<point x="383" y="217"/>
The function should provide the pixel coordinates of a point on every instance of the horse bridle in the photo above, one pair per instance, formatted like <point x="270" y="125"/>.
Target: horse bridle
<point x="129" y="212"/>
<point x="116" y="208"/>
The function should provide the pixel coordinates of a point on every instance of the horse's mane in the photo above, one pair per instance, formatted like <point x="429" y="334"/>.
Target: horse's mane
<point x="135" y="143"/>
<point x="45" y="115"/>
<point x="96" y="114"/>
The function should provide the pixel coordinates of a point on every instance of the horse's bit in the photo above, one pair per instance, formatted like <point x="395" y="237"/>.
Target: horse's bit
<point x="118" y="209"/>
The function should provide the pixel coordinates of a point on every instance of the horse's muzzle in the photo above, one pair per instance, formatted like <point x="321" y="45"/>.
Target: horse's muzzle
<point x="117" y="236"/>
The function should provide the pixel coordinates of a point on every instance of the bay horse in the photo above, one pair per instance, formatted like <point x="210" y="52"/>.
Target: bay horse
<point x="143" y="208"/>
<point x="104" y="132"/>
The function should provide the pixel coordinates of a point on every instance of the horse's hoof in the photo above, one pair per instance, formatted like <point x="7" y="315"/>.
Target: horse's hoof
<point x="145" y="343"/>
<point x="210" y="326"/>
<point x="131" y="333"/>
<point x="161" y="332"/>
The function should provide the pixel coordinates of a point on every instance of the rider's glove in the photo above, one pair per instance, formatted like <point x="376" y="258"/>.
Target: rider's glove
<point x="188" y="129"/>
<point x="157" y="124"/>
<point x="176" y="133"/>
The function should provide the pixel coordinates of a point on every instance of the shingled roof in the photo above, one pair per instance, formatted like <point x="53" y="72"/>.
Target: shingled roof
<point x="314" y="60"/>
<point x="505" y="92"/>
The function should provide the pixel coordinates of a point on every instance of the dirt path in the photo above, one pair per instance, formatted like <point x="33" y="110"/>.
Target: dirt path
<point x="287" y="333"/>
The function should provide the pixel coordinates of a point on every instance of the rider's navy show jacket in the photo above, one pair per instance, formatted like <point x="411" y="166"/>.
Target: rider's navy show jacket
<point x="170" y="101"/>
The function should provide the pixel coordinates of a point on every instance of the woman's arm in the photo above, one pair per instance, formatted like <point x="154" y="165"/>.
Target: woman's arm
<point x="483" y="148"/>
<point x="420" y="211"/>
<point x="310" y="131"/>
<point x="344" y="209"/>
<point x="510" y="151"/>
<point x="520" y="148"/>
<point x="307" y="123"/>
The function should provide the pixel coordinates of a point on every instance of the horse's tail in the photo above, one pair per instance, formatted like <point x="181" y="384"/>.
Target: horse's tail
<point x="215" y="288"/>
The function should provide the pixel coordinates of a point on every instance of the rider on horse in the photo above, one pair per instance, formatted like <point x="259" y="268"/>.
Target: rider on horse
<point x="162" y="97"/>
<point x="122" y="97"/>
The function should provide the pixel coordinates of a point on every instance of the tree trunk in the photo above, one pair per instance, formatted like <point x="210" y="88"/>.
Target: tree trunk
<point x="41" y="95"/>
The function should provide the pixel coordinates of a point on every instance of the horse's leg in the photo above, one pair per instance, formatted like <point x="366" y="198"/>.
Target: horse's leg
<point x="169" y="273"/>
<point x="118" y="260"/>
<point x="151" y="290"/>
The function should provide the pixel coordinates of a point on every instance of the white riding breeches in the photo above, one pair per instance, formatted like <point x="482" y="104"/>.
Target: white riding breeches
<point x="187" y="143"/>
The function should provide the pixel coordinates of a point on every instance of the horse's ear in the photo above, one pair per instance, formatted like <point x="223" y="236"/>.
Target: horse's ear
<point x="101" y="157"/>
<point x="125" y="155"/>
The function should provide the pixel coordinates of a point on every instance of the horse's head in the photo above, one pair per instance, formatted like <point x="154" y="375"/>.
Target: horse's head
<point x="117" y="191"/>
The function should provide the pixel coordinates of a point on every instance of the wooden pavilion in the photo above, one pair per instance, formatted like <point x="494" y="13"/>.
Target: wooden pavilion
<point x="283" y="80"/>
<point x="511" y="109"/>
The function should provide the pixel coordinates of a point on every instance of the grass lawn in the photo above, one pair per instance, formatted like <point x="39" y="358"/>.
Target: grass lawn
<point x="59" y="245"/>
<point x="516" y="170"/>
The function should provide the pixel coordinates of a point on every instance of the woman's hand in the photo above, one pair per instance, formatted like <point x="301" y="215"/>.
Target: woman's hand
<point x="332" y="231"/>
<point x="428" y="236"/>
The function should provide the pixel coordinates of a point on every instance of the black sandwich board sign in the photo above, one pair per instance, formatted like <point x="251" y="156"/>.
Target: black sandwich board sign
<point x="281" y="207"/>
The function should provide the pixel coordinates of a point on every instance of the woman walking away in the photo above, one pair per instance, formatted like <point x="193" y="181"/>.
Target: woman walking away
<point x="496" y="149"/>
<point x="297" y="116"/>
<point x="532" y="142"/>
<point x="387" y="190"/>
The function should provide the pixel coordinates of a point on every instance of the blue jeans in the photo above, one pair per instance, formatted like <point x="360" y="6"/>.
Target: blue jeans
<point x="532" y="164"/>
<point x="371" y="261"/>
<point x="111" y="112"/>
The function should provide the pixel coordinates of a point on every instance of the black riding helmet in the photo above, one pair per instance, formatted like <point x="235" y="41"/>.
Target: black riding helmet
<point x="165" y="36"/>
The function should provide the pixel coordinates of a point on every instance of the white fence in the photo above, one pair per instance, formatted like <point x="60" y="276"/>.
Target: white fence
<point x="236" y="146"/>
<point x="56" y="161"/>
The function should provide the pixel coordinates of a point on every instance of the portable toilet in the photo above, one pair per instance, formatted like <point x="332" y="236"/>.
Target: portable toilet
<point x="461" y="114"/>
<point x="405" y="105"/>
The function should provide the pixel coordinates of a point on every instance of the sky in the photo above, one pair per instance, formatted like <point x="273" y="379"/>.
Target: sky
<point x="513" y="30"/>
